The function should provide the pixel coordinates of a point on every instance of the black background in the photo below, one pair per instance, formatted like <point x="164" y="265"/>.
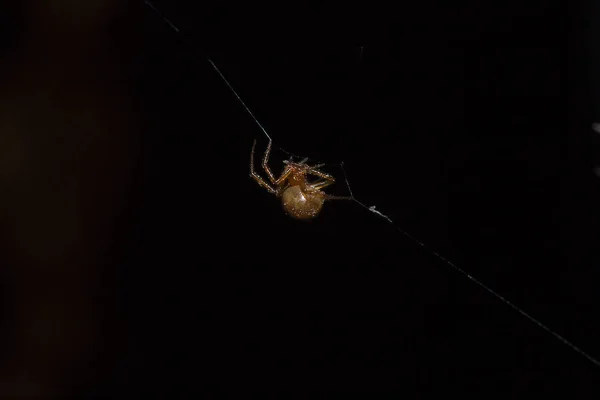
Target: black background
<point x="468" y="125"/>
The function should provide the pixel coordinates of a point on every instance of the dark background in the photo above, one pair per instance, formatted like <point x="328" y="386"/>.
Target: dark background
<point x="468" y="125"/>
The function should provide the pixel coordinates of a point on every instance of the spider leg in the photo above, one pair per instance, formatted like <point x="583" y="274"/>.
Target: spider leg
<point x="329" y="197"/>
<point x="265" y="164"/>
<point x="327" y="180"/>
<point x="284" y="175"/>
<point x="257" y="177"/>
<point x="316" y="172"/>
<point x="321" y="184"/>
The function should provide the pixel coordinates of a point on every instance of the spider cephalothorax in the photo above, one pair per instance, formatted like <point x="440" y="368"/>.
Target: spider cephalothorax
<point x="300" y="199"/>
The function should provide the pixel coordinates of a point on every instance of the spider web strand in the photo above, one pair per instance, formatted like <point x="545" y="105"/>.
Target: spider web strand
<point x="471" y="277"/>
<point x="165" y="19"/>
<point x="238" y="97"/>
<point x="224" y="79"/>
<point x="177" y="30"/>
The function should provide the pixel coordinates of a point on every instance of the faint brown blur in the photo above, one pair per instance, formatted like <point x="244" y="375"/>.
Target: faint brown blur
<point x="68" y="140"/>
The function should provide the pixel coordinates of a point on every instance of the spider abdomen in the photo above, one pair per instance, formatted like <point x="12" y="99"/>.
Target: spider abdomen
<point x="302" y="204"/>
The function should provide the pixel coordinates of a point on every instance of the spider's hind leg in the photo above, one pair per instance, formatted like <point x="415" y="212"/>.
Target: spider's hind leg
<point x="321" y="183"/>
<point x="326" y="180"/>
<point x="329" y="197"/>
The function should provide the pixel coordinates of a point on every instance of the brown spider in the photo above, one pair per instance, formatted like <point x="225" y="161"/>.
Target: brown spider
<point x="300" y="199"/>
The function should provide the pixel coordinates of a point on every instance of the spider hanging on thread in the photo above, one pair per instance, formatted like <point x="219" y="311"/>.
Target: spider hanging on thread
<point x="304" y="200"/>
<point x="300" y="198"/>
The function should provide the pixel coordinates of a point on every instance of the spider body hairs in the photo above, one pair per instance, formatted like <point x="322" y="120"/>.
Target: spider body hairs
<point x="300" y="199"/>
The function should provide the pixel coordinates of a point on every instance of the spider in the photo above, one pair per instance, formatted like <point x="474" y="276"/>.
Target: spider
<point x="300" y="199"/>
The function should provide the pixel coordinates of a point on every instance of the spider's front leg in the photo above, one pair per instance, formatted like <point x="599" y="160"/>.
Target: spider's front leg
<point x="265" y="163"/>
<point x="257" y="177"/>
